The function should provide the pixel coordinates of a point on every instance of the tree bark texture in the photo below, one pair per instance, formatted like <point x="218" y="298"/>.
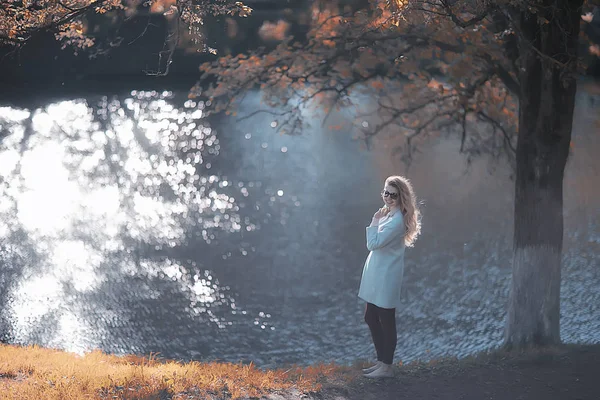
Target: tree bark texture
<point x="547" y="63"/>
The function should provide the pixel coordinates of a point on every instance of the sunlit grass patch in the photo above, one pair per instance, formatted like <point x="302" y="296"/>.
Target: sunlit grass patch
<point x="33" y="373"/>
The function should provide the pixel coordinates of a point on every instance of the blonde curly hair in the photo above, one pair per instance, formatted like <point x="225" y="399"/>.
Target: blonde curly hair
<point x="408" y="205"/>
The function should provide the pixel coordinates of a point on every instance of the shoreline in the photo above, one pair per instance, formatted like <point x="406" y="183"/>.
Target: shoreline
<point x="561" y="372"/>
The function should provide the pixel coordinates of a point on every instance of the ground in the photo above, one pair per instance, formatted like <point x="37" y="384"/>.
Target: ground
<point x="568" y="373"/>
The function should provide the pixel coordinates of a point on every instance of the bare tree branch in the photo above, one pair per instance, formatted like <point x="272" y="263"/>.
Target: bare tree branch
<point x="511" y="83"/>
<point x="507" y="137"/>
<point x="171" y="42"/>
<point x="261" y="111"/>
<point x="463" y="24"/>
<point x="148" y="24"/>
<point x="66" y="6"/>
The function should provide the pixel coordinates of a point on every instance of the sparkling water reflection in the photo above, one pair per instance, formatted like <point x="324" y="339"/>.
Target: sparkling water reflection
<point x="90" y="185"/>
<point x="129" y="224"/>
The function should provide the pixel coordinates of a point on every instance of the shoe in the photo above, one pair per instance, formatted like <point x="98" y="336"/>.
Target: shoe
<point x="384" y="371"/>
<point x="373" y="368"/>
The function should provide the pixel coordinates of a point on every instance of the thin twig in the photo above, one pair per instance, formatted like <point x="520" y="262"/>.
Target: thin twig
<point x="463" y="24"/>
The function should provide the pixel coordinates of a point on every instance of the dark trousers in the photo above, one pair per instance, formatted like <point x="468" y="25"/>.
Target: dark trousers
<point x="382" y="324"/>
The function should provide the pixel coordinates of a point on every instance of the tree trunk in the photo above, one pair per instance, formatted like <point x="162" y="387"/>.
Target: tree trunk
<point x="547" y="101"/>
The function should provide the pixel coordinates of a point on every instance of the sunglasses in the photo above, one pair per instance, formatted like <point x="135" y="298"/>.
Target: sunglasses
<point x="385" y="193"/>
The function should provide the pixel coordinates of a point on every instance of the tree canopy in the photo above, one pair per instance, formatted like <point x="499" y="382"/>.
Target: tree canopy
<point x="20" y="20"/>
<point x="432" y="66"/>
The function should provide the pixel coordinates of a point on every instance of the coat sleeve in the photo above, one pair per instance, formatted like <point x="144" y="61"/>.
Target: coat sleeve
<point x="393" y="230"/>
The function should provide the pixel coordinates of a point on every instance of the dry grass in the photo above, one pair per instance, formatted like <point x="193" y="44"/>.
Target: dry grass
<point x="34" y="373"/>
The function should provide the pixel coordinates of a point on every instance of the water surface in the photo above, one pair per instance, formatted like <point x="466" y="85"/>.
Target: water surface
<point x="130" y="224"/>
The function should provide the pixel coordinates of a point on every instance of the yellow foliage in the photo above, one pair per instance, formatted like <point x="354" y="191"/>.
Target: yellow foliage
<point x="33" y="373"/>
<point x="377" y="84"/>
<point x="274" y="31"/>
<point x="20" y="20"/>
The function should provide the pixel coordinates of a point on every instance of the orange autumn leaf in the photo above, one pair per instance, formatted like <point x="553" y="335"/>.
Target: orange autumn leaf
<point x="377" y="84"/>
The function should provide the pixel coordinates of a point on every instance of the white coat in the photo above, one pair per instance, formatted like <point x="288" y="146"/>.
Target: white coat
<point x="384" y="267"/>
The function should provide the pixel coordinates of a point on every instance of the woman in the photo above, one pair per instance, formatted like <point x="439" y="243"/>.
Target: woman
<point x="394" y="226"/>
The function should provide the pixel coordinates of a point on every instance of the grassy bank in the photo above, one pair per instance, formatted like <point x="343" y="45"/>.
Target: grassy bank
<point x="33" y="373"/>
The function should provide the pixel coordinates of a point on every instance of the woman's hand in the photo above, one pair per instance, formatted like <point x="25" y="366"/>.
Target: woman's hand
<point x="382" y="212"/>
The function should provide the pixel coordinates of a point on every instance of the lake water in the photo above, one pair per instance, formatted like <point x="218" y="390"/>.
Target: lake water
<point x="129" y="224"/>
